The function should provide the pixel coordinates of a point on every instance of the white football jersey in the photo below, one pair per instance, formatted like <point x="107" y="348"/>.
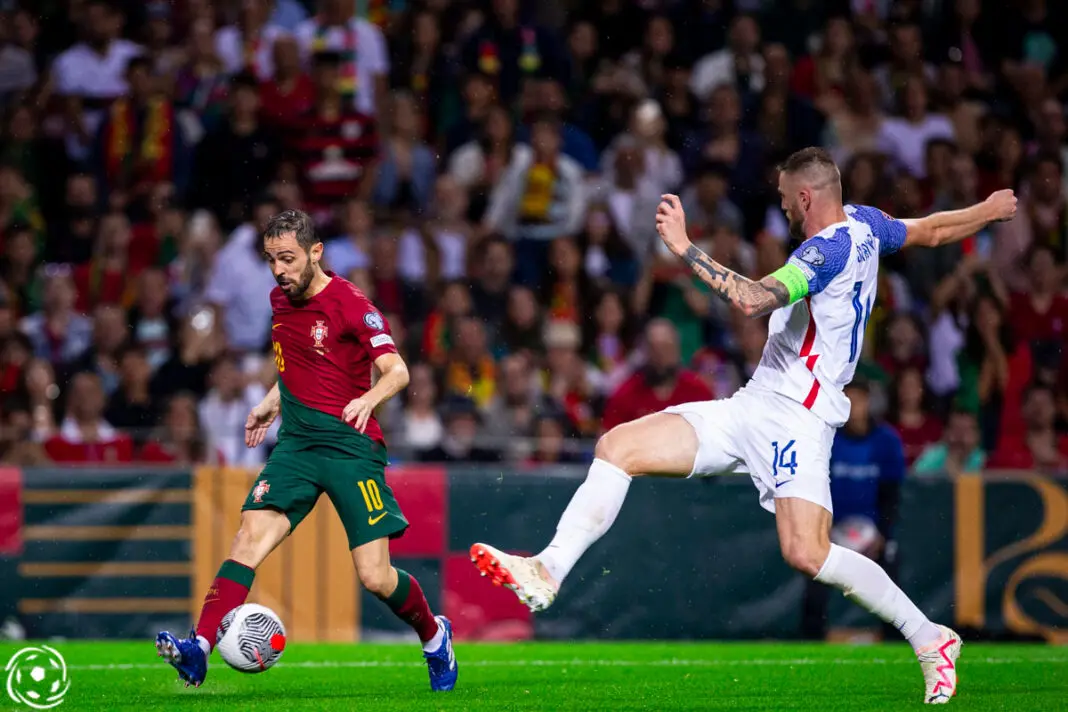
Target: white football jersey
<point x="814" y="344"/>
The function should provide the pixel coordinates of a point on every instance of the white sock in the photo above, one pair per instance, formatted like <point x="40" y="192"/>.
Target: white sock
<point x="864" y="582"/>
<point x="590" y="514"/>
<point x="435" y="642"/>
<point x="204" y="644"/>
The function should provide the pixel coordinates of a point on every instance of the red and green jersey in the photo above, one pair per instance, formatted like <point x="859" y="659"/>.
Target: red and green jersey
<point x="333" y="154"/>
<point x="324" y="349"/>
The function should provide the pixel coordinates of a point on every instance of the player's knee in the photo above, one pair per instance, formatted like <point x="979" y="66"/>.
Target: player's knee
<point x="256" y="538"/>
<point x="804" y="555"/>
<point x="378" y="580"/>
<point x="615" y="448"/>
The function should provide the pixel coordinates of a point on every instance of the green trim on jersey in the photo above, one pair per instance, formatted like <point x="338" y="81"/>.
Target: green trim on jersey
<point x="307" y="429"/>
<point x="794" y="280"/>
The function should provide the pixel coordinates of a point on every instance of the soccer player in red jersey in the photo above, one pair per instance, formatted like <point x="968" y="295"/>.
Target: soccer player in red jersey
<point x="326" y="335"/>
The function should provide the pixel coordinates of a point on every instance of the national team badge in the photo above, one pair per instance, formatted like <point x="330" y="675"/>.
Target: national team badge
<point x="259" y="490"/>
<point x="319" y="332"/>
<point x="374" y="320"/>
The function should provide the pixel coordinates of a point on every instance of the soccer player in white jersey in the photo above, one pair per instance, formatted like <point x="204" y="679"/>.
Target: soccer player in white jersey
<point x="779" y="428"/>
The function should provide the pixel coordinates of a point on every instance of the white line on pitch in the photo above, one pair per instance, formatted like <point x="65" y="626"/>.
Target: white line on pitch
<point x="580" y="662"/>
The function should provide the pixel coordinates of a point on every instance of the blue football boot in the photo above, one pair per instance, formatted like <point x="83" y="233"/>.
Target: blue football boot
<point x="442" y="662"/>
<point x="186" y="656"/>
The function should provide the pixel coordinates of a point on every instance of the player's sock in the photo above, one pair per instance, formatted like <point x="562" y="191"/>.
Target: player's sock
<point x="590" y="514"/>
<point x="409" y="604"/>
<point x="227" y="592"/>
<point x="866" y="583"/>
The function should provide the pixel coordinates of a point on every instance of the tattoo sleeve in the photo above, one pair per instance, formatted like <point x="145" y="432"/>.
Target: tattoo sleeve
<point x="754" y="298"/>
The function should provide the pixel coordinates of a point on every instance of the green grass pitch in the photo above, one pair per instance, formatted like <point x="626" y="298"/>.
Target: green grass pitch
<point x="116" y="676"/>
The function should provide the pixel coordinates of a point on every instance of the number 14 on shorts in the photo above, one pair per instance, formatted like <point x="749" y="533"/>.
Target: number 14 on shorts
<point x="784" y="458"/>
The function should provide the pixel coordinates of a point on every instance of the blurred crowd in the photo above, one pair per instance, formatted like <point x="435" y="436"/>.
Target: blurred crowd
<point x="487" y="172"/>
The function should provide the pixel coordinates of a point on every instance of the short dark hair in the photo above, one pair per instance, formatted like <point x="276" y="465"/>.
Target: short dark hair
<point x="550" y="119"/>
<point x="297" y="222"/>
<point x="139" y="62"/>
<point x="806" y="158"/>
<point x="245" y="80"/>
<point x="1047" y="157"/>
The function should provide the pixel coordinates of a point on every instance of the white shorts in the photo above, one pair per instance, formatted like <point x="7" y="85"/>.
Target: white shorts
<point x="775" y="440"/>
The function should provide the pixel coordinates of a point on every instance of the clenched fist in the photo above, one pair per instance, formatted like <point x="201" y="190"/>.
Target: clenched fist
<point x="1003" y="203"/>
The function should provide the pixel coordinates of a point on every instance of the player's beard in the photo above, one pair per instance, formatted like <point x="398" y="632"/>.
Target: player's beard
<point x="797" y="227"/>
<point x="303" y="284"/>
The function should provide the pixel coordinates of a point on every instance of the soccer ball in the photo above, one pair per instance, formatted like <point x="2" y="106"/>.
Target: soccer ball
<point x="251" y="638"/>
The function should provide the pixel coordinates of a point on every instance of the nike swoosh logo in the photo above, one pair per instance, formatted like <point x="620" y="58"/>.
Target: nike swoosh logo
<point x="375" y="520"/>
<point x="780" y="484"/>
<point x="274" y="326"/>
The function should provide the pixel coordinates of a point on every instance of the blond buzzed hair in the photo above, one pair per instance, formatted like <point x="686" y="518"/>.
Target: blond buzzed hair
<point x="815" y="166"/>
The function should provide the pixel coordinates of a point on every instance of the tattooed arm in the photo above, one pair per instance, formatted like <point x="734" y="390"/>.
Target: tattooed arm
<point x="754" y="298"/>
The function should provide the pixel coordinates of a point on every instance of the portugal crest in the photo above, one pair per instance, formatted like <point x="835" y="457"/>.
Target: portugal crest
<point x="259" y="490"/>
<point x="319" y="332"/>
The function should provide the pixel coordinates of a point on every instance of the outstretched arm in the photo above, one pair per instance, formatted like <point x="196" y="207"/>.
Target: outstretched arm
<point x="952" y="225"/>
<point x="754" y="298"/>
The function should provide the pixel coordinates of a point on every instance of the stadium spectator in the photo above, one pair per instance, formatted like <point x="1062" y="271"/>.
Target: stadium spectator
<point x="1039" y="315"/>
<point x="419" y="424"/>
<point x="958" y="453"/>
<point x="359" y="55"/>
<point x="522" y="330"/>
<point x="660" y="382"/>
<point x="130" y="406"/>
<point x="479" y="164"/>
<point x="438" y="251"/>
<point x="490" y="281"/>
<point x="180" y="440"/>
<point x="458" y="444"/>
<point x="335" y="145"/>
<point x="18" y="444"/>
<point x="92" y="74"/>
<point x="540" y="197"/>
<point x="290" y="92"/>
<point x="246" y="46"/>
<point x="241" y="282"/>
<point x="152" y="324"/>
<point x="470" y="369"/>
<point x="405" y="171"/>
<point x="200" y="86"/>
<point x="1040" y="446"/>
<point x="84" y="436"/>
<point x="57" y="332"/>
<point x="509" y="50"/>
<point x="739" y="64"/>
<point x="223" y="411"/>
<point x="911" y="415"/>
<point x="237" y="159"/>
<point x="509" y="416"/>
<point x="200" y="341"/>
<point x="351" y="248"/>
<point x="551" y="442"/>
<point x="139" y="143"/>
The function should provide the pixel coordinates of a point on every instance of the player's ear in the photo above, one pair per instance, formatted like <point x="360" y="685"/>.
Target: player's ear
<point x="316" y="252"/>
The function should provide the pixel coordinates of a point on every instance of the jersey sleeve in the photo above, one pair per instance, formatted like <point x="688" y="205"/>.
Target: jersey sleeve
<point x="370" y="328"/>
<point x="889" y="231"/>
<point x="814" y="264"/>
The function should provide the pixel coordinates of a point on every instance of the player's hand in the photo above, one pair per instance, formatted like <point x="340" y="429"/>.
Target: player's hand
<point x="258" y="422"/>
<point x="1003" y="203"/>
<point x="671" y="224"/>
<point x="358" y="412"/>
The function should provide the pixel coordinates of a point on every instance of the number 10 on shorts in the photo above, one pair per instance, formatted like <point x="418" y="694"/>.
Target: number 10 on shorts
<point x="779" y="458"/>
<point x="372" y="496"/>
